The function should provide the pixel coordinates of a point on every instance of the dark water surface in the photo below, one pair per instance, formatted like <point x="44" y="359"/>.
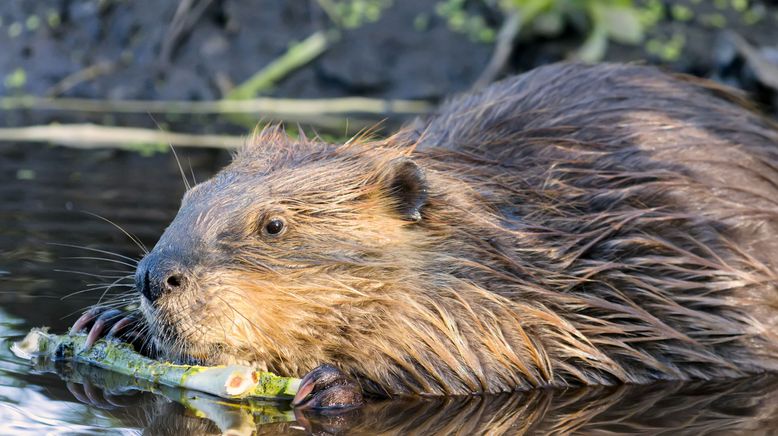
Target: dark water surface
<point x="45" y="193"/>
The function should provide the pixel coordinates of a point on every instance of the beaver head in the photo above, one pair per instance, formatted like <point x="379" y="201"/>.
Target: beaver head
<point x="272" y="259"/>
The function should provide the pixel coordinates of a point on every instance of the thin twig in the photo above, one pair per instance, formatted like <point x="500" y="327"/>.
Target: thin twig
<point x="764" y="70"/>
<point x="94" y="136"/>
<point x="502" y="50"/>
<point x="280" y="108"/>
<point x="89" y="73"/>
<point x="298" y="55"/>
<point x="186" y="16"/>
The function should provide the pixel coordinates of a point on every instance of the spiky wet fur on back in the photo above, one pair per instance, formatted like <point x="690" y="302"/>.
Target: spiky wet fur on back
<point x="584" y="225"/>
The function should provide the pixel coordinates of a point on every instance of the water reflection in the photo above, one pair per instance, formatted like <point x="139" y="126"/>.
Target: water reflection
<point x="42" y="191"/>
<point x="724" y="407"/>
<point x="34" y="404"/>
<point x="735" y="406"/>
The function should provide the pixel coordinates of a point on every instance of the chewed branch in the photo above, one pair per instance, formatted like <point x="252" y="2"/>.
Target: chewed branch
<point x="232" y="381"/>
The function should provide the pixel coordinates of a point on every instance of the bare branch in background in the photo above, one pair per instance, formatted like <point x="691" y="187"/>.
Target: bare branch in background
<point x="94" y="136"/>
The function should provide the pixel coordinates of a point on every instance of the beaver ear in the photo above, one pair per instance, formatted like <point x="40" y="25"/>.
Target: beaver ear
<point x="407" y="183"/>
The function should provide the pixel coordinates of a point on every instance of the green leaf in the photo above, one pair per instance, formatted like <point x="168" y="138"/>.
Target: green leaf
<point x="16" y="79"/>
<point x="622" y="24"/>
<point x="529" y="9"/>
<point x="549" y="24"/>
<point x="593" y="50"/>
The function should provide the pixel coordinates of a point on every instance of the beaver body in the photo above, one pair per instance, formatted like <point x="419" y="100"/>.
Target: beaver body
<point x="573" y="225"/>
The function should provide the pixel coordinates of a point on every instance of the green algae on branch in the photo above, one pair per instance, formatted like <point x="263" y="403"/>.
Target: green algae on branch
<point x="232" y="381"/>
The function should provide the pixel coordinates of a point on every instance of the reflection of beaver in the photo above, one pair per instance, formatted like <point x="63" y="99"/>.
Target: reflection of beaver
<point x="575" y="225"/>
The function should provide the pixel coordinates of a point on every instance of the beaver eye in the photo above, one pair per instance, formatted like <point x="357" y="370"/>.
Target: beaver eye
<point x="274" y="227"/>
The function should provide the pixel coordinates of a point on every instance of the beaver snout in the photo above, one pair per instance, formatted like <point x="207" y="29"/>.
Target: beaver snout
<point x="154" y="277"/>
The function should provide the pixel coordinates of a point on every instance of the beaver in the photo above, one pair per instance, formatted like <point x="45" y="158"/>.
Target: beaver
<point x="574" y="225"/>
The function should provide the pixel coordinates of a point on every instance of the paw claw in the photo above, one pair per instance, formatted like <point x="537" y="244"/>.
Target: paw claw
<point x="86" y="319"/>
<point x="303" y="392"/>
<point x="122" y="326"/>
<point x="103" y="322"/>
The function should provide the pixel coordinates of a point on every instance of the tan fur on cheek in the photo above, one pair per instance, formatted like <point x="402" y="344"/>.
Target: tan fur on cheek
<point x="238" y="317"/>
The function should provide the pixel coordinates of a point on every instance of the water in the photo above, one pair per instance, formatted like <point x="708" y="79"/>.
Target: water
<point x="45" y="191"/>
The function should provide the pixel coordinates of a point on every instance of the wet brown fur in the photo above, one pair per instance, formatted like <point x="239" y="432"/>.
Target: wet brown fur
<point x="584" y="225"/>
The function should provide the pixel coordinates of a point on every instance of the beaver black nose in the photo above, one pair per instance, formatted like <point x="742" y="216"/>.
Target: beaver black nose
<point x="152" y="280"/>
<point x="173" y="281"/>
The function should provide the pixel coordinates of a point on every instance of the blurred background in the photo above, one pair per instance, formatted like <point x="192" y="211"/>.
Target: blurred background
<point x="228" y="51"/>
<point x="95" y="95"/>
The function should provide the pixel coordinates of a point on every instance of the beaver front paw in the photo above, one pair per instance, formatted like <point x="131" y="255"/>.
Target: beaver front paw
<point x="327" y="387"/>
<point x="102" y="322"/>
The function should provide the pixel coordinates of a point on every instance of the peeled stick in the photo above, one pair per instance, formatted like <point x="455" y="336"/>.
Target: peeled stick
<point x="230" y="381"/>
